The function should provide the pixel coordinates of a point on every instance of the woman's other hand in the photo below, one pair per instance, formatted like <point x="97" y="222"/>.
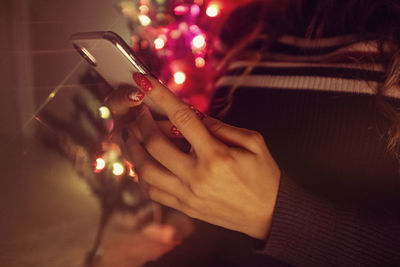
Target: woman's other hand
<point x="228" y="179"/>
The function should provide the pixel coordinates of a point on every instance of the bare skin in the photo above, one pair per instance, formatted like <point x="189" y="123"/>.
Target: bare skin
<point x="229" y="178"/>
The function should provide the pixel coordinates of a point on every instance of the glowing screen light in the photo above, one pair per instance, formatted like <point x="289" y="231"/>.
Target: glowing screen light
<point x="118" y="168"/>
<point x="144" y="20"/>
<point x="199" y="41"/>
<point x="100" y="164"/>
<point x="212" y="10"/>
<point x="159" y="43"/>
<point x="179" y="77"/>
<point x="104" y="112"/>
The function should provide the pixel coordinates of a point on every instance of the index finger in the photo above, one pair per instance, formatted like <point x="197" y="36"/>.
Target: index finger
<point x="179" y="113"/>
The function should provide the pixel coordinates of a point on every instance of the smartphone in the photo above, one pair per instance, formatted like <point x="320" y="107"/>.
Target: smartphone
<point x="109" y="55"/>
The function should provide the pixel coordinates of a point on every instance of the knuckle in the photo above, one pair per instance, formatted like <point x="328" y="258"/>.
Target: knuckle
<point x="217" y="160"/>
<point x="256" y="138"/>
<point x="215" y="126"/>
<point x="183" y="115"/>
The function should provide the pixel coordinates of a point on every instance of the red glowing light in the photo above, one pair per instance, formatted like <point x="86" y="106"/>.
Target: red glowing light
<point x="181" y="10"/>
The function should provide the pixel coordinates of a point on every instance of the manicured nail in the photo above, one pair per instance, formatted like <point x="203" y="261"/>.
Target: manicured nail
<point x="175" y="132"/>
<point x="199" y="114"/>
<point x="136" y="96"/>
<point x="142" y="81"/>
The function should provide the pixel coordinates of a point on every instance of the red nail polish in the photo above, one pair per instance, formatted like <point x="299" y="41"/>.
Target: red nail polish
<point x="175" y="132"/>
<point x="136" y="96"/>
<point x="142" y="81"/>
<point x="199" y="114"/>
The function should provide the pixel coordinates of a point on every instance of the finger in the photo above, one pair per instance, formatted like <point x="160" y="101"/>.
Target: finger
<point x="169" y="129"/>
<point x="160" y="147"/>
<point x="151" y="173"/>
<point x="120" y="100"/>
<point x="180" y="114"/>
<point x="234" y="136"/>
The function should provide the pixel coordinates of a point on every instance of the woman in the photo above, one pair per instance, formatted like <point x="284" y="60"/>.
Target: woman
<point x="318" y="82"/>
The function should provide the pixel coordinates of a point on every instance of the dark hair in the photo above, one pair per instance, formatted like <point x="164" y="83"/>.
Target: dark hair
<point x="377" y="20"/>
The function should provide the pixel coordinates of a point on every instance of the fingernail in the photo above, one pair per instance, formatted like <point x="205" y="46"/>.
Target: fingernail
<point x="175" y="132"/>
<point x="136" y="96"/>
<point x="142" y="81"/>
<point x="199" y="114"/>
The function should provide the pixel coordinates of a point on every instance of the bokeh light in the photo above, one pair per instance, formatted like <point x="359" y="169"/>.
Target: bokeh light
<point x="179" y="77"/>
<point x="100" y="164"/>
<point x="104" y="112"/>
<point x="200" y="62"/>
<point x="213" y="10"/>
<point x="199" y="41"/>
<point x="118" y="168"/>
<point x="144" y="20"/>
<point x="159" y="43"/>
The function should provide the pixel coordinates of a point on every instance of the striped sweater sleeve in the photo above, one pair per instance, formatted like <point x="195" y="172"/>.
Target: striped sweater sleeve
<point x="308" y="231"/>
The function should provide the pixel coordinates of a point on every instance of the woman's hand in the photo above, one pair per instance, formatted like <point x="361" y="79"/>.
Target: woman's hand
<point x="229" y="178"/>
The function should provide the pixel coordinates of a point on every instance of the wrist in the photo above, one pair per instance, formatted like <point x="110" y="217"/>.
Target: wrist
<point x="260" y="226"/>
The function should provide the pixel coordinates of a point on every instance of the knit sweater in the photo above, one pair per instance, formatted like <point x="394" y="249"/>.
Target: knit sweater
<point x="315" y="103"/>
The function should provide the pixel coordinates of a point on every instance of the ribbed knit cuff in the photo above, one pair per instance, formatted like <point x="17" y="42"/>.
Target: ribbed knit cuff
<point x="308" y="231"/>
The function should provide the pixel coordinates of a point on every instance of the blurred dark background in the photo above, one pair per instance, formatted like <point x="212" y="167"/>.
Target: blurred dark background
<point x="48" y="216"/>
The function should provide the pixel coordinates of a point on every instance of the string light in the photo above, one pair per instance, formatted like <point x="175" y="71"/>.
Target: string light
<point x="144" y="9"/>
<point x="213" y="10"/>
<point x="181" y="10"/>
<point x="199" y="41"/>
<point x="200" y="62"/>
<point x="144" y="20"/>
<point x="99" y="165"/>
<point x="118" y="169"/>
<point x="159" y="42"/>
<point x="195" y="10"/>
<point x="179" y="77"/>
<point x="104" y="112"/>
